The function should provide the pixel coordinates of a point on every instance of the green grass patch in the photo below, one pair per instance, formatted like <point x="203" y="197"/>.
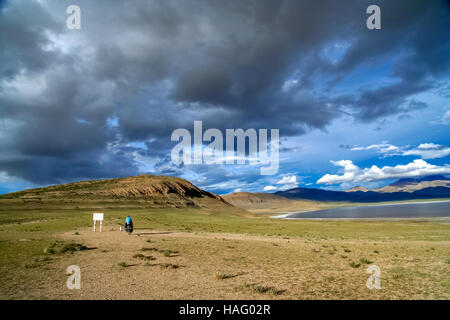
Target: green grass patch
<point x="365" y="261"/>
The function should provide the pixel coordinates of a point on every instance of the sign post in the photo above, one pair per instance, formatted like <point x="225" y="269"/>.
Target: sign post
<point x="98" y="217"/>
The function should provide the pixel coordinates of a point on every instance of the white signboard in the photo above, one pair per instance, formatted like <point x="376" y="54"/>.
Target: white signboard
<point x="98" y="216"/>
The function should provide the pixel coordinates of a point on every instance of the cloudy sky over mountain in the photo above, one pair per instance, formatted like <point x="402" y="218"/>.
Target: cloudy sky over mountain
<point x="353" y="106"/>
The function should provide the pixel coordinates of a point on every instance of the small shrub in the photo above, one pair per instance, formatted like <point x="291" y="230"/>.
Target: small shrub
<point x="142" y="257"/>
<point x="122" y="264"/>
<point x="354" y="264"/>
<point x="49" y="250"/>
<point x="376" y="251"/>
<point x="168" y="253"/>
<point x="347" y="250"/>
<point x="73" y="247"/>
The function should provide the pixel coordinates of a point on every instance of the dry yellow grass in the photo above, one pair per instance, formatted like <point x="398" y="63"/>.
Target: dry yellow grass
<point x="288" y="267"/>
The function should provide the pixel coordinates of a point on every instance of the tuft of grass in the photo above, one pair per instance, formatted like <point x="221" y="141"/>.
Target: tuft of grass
<point x="263" y="289"/>
<point x="170" y="266"/>
<point x="222" y="275"/>
<point x="376" y="251"/>
<point x="168" y="253"/>
<point x="122" y="264"/>
<point x="148" y="249"/>
<point x="77" y="233"/>
<point x="31" y="265"/>
<point x="354" y="264"/>
<point x="347" y="250"/>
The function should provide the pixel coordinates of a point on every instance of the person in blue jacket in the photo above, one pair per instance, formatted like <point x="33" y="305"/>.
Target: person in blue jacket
<point x="128" y="225"/>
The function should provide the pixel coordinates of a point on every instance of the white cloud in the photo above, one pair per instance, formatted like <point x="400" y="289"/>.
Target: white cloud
<point x="288" y="182"/>
<point x="424" y="150"/>
<point x="354" y="174"/>
<point x="429" y="151"/>
<point x="288" y="179"/>
<point x="269" y="188"/>
<point x="385" y="149"/>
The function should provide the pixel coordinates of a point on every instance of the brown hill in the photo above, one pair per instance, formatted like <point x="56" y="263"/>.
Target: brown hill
<point x="139" y="191"/>
<point x="357" y="188"/>
<point x="268" y="202"/>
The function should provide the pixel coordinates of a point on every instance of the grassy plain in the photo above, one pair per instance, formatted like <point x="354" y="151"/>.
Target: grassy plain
<point x="192" y="253"/>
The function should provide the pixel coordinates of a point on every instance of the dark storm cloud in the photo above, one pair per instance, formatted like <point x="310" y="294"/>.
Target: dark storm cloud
<point x="137" y="70"/>
<point x="21" y="46"/>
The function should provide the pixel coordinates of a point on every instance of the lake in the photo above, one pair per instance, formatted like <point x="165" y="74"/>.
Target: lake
<point x="399" y="211"/>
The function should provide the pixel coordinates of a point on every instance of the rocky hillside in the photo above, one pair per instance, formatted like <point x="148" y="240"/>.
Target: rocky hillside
<point x="144" y="190"/>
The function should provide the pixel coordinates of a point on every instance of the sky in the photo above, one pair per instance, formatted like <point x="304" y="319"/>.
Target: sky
<point x="353" y="106"/>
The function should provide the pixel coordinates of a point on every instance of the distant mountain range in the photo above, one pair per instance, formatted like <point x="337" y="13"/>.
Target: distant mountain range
<point x="305" y="199"/>
<point x="404" y="189"/>
<point x="409" y="185"/>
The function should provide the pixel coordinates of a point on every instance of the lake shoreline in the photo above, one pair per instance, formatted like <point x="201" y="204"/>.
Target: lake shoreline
<point x="297" y="215"/>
